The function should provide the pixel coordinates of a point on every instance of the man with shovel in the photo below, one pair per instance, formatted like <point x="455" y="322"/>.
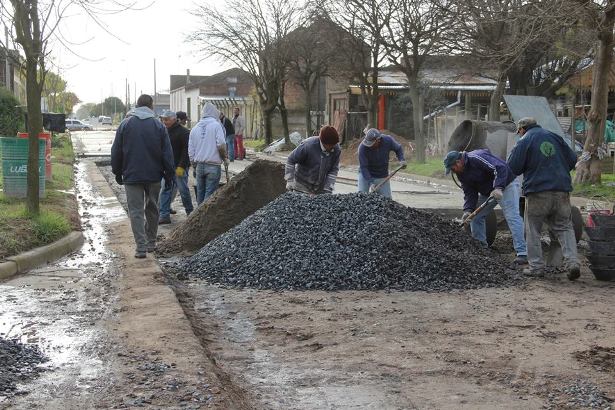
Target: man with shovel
<point x="374" y="162"/>
<point x="485" y="177"/>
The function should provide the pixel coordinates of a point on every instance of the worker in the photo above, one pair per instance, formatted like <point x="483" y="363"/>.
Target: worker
<point x="483" y="175"/>
<point x="545" y="161"/>
<point x="374" y="161"/>
<point x="313" y="166"/>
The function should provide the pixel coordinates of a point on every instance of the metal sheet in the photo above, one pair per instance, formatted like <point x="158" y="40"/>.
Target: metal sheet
<point x="521" y="106"/>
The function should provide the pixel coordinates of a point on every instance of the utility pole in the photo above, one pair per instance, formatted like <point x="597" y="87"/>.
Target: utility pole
<point x="6" y="62"/>
<point x="154" y="82"/>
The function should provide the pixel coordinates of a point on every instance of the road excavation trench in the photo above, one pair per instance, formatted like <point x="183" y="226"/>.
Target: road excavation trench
<point x="534" y="344"/>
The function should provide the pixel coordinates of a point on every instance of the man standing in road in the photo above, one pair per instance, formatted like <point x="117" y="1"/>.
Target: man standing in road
<point x="207" y="152"/>
<point x="141" y="156"/>
<point x="239" y="124"/>
<point x="374" y="160"/>
<point x="313" y="166"/>
<point x="545" y="161"/>
<point x="484" y="175"/>
<point x="230" y="136"/>
<point x="179" y="142"/>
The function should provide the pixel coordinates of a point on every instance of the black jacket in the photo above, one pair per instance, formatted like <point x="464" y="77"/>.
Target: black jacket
<point x="228" y="126"/>
<point x="179" y="135"/>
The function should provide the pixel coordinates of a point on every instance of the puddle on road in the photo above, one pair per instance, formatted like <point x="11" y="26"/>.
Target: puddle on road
<point x="58" y="306"/>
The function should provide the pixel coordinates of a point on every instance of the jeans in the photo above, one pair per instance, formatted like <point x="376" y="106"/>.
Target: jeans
<point x="142" y="201"/>
<point x="552" y="208"/>
<point x="510" y="209"/>
<point x="384" y="190"/>
<point x="168" y="195"/>
<point x="207" y="180"/>
<point x="230" y="146"/>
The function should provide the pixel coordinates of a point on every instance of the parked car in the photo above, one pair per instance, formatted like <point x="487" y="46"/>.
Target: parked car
<point x="76" y="125"/>
<point x="103" y="120"/>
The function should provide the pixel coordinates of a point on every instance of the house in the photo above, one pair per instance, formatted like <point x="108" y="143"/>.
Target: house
<point x="11" y="76"/>
<point x="161" y="103"/>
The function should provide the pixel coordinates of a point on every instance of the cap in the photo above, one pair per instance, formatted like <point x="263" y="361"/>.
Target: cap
<point x="450" y="160"/>
<point x="371" y="136"/>
<point x="181" y="115"/>
<point x="168" y="114"/>
<point x="328" y="135"/>
<point x="525" y="122"/>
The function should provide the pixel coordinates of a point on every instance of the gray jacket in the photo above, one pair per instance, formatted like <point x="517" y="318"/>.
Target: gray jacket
<point x="312" y="167"/>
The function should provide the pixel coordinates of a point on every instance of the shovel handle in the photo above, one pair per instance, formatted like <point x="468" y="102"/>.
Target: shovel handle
<point x="477" y="210"/>
<point x="377" y="187"/>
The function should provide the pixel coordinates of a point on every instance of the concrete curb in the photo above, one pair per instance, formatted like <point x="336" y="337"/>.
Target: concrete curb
<point x="40" y="256"/>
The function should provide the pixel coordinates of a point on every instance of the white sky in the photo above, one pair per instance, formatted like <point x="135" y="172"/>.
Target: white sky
<point x="102" y="64"/>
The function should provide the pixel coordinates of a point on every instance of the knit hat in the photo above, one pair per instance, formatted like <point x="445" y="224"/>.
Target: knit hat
<point x="329" y="135"/>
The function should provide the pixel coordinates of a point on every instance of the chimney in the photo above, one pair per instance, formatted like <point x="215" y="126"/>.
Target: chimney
<point x="187" y="76"/>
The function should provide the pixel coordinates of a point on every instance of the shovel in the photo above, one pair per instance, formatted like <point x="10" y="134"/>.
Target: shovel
<point x="384" y="181"/>
<point x="476" y="211"/>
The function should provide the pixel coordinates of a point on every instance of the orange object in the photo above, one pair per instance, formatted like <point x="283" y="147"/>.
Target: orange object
<point x="47" y="137"/>
<point x="381" y="113"/>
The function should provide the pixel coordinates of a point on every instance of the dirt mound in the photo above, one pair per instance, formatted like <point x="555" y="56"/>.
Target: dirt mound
<point x="253" y="188"/>
<point x="346" y="242"/>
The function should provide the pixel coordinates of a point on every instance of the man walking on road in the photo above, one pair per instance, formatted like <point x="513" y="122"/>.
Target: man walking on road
<point x="545" y="161"/>
<point x="313" y="166"/>
<point x="484" y="175"/>
<point x="207" y="152"/>
<point x="178" y="136"/>
<point x="141" y="156"/>
<point x="374" y="160"/>
<point x="230" y="136"/>
<point x="239" y="124"/>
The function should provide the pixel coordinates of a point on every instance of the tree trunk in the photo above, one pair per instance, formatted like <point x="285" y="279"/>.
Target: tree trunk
<point x="496" y="98"/>
<point x="267" y="118"/>
<point x="284" y="115"/>
<point x="35" y="126"/>
<point x="308" y="115"/>
<point x="588" y="169"/>
<point x="417" y="121"/>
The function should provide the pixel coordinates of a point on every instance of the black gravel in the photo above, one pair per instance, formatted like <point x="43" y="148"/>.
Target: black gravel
<point x="18" y="363"/>
<point x="344" y="242"/>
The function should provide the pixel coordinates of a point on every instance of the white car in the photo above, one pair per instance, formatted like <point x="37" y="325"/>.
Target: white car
<point x="76" y="125"/>
<point x="104" y="120"/>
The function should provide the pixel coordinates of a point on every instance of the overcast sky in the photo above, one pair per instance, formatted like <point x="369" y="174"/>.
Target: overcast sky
<point x="100" y="67"/>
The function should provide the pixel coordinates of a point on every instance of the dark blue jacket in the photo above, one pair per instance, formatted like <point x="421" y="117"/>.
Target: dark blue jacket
<point x="374" y="162"/>
<point x="141" y="151"/>
<point x="482" y="173"/>
<point x="545" y="161"/>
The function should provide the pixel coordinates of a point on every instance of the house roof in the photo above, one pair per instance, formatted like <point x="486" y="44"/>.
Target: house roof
<point x="583" y="79"/>
<point x="222" y="77"/>
<point x="181" y="80"/>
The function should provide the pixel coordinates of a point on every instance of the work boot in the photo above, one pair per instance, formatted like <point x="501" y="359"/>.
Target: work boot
<point x="574" y="272"/>
<point x="164" y="221"/>
<point x="534" y="273"/>
<point x="173" y="211"/>
<point x="140" y="254"/>
<point x="520" y="260"/>
<point x="151" y="248"/>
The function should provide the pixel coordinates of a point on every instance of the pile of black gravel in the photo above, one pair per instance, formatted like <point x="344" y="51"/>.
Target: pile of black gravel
<point x="344" y="242"/>
<point x="18" y="363"/>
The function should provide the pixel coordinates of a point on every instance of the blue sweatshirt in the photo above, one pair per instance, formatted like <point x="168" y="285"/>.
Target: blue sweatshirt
<point x="482" y="173"/>
<point x="141" y="151"/>
<point x="545" y="161"/>
<point x="374" y="162"/>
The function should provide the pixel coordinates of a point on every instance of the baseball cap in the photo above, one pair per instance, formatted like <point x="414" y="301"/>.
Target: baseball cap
<point x="450" y="160"/>
<point x="168" y="114"/>
<point x="371" y="136"/>
<point x="525" y="122"/>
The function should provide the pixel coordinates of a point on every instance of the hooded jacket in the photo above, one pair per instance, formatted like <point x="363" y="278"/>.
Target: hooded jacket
<point x="482" y="173"/>
<point x="179" y="135"/>
<point x="312" y="167"/>
<point x="141" y="151"/>
<point x="206" y="136"/>
<point x="544" y="159"/>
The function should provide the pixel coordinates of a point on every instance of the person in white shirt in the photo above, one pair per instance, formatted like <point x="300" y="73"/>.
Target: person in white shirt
<point x="207" y="152"/>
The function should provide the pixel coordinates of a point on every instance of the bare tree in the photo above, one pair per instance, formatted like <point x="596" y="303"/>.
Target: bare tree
<point x="363" y="48"/>
<point x="250" y="34"/>
<point x="601" y="16"/>
<point x="36" y="28"/>
<point x="416" y="31"/>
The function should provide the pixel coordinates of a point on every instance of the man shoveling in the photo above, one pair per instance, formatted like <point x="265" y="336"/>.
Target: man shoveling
<point x="374" y="162"/>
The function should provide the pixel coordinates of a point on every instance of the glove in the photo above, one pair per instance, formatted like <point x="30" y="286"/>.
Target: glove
<point x="119" y="180"/>
<point x="465" y="216"/>
<point x="497" y="194"/>
<point x="290" y="185"/>
<point x="403" y="164"/>
<point x="168" y="182"/>
<point x="180" y="172"/>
